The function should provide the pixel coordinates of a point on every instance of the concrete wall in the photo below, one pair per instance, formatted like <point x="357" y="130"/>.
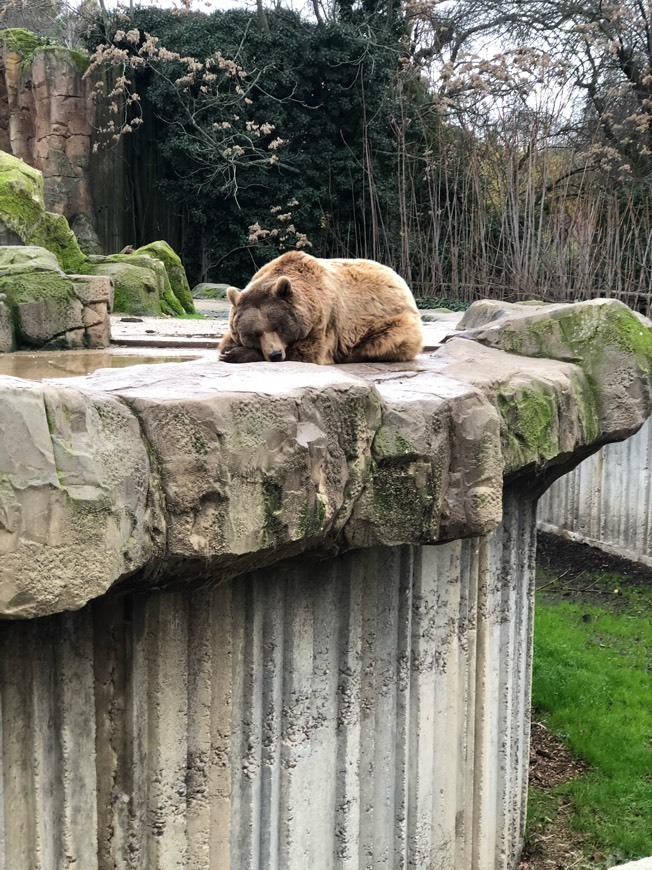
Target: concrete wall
<point x="370" y="711"/>
<point x="607" y="500"/>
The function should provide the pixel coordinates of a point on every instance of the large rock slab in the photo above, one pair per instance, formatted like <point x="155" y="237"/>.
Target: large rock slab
<point x="48" y="308"/>
<point x="217" y="469"/>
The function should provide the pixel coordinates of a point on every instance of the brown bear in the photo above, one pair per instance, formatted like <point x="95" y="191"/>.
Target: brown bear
<point x="302" y="308"/>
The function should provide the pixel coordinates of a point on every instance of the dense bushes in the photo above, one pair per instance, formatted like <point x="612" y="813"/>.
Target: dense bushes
<point x="330" y="92"/>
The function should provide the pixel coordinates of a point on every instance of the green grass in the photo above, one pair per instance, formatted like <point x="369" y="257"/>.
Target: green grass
<point x="592" y="678"/>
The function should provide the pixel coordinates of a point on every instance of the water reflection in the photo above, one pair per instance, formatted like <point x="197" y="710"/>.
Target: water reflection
<point x="71" y="363"/>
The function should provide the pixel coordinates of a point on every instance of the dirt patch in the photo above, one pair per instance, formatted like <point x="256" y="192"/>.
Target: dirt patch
<point x="582" y="574"/>
<point x="552" y="844"/>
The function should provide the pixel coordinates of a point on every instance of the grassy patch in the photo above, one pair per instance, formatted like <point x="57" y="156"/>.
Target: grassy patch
<point x="592" y="678"/>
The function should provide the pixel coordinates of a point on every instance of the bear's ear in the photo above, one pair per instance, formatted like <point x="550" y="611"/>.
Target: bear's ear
<point x="283" y="287"/>
<point x="232" y="295"/>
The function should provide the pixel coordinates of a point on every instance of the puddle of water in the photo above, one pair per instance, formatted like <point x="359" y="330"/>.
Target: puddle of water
<point x="72" y="363"/>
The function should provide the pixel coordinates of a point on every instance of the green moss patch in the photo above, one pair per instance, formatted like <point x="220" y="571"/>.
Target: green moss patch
<point x="22" y="209"/>
<point x="530" y="433"/>
<point x="176" y="273"/>
<point x="22" y="41"/>
<point x="138" y="288"/>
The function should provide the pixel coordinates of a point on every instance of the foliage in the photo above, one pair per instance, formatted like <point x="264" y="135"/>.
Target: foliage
<point x="479" y="149"/>
<point x="435" y="302"/>
<point x="273" y="139"/>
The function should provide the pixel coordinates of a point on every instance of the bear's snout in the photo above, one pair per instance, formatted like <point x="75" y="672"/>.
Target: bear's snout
<point x="272" y="347"/>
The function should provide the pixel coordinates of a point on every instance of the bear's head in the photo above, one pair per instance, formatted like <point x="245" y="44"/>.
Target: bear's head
<point x="265" y="317"/>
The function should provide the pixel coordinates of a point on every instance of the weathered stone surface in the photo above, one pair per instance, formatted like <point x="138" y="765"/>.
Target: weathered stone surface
<point x="150" y="281"/>
<point x="206" y="290"/>
<point x="612" y="344"/>
<point x="176" y="273"/>
<point x="49" y="308"/>
<point x="257" y="463"/>
<point x="372" y="707"/>
<point x="7" y="333"/>
<point x="50" y="116"/>
<point x="86" y="234"/>
<point x="75" y="491"/>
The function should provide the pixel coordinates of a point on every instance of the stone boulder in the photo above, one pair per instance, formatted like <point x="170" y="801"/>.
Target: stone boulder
<point x="150" y="281"/>
<point x="253" y="464"/>
<point x="86" y="234"/>
<point x="613" y="343"/>
<point x="175" y="272"/>
<point x="206" y="290"/>
<point x="142" y="285"/>
<point x="22" y="211"/>
<point x="7" y="331"/>
<point x="49" y="308"/>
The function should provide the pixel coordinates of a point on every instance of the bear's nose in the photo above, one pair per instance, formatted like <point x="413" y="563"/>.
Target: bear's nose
<point x="275" y="356"/>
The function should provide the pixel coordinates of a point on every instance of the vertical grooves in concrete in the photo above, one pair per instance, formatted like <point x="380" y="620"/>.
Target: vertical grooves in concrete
<point x="364" y="712"/>
<point x="607" y="499"/>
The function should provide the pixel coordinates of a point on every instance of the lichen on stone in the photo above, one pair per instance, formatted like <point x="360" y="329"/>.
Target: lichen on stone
<point x="141" y="284"/>
<point x="529" y="431"/>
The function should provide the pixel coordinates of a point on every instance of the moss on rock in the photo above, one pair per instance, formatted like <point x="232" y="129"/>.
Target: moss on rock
<point x="137" y="289"/>
<point x="142" y="286"/>
<point x="176" y="273"/>
<point x="530" y="432"/>
<point x="22" y="209"/>
<point x="27" y="44"/>
<point x="44" y="308"/>
<point x="55" y="234"/>
<point x="22" y="41"/>
<point x="77" y="58"/>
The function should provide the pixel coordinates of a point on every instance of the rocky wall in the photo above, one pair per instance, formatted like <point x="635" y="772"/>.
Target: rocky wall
<point x="607" y="500"/>
<point x="368" y="711"/>
<point x="47" y="116"/>
<point x="302" y="597"/>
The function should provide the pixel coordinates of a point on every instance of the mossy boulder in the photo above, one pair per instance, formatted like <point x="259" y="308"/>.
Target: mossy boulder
<point x="611" y="345"/>
<point x="22" y="210"/>
<point x="176" y="273"/>
<point x="152" y="280"/>
<point x="45" y="310"/>
<point x="207" y="290"/>
<point x="7" y="331"/>
<point x="142" y="286"/>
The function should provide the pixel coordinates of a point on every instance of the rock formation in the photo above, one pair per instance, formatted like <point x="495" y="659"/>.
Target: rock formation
<point x="47" y="115"/>
<point x="45" y="308"/>
<point x="317" y="650"/>
<point x="203" y="470"/>
<point x="152" y="280"/>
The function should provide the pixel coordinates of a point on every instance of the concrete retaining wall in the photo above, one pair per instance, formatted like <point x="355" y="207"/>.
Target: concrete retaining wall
<point x="369" y="711"/>
<point x="607" y="500"/>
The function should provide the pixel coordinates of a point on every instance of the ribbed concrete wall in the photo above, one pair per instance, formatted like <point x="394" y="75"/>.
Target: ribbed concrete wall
<point x="370" y="711"/>
<point x="607" y="500"/>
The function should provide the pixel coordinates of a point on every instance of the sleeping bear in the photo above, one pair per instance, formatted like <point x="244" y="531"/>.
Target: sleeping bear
<point x="302" y="308"/>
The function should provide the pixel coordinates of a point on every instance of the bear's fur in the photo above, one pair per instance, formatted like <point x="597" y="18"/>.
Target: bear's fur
<point x="299" y="307"/>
